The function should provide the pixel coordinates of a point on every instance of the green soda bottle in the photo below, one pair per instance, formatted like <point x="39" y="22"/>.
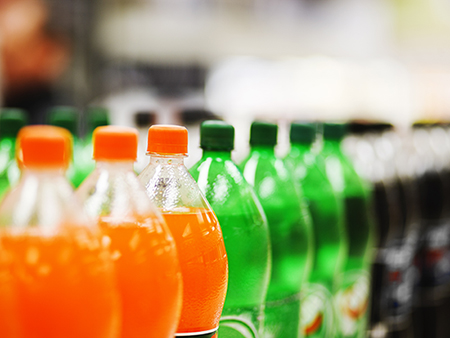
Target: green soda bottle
<point x="318" y="317"/>
<point x="68" y="117"/>
<point x="11" y="120"/>
<point x="352" y="298"/>
<point x="290" y="231"/>
<point x="94" y="117"/>
<point x="245" y="231"/>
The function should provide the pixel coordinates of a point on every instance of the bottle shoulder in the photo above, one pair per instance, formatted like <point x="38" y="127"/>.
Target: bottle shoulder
<point x="45" y="203"/>
<point x="342" y="175"/>
<point x="171" y="186"/>
<point x="269" y="176"/>
<point x="226" y="189"/>
<point x="218" y="172"/>
<point x="117" y="194"/>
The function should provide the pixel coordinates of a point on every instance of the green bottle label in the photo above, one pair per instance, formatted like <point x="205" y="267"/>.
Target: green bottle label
<point x="282" y="317"/>
<point x="236" y="327"/>
<point x="351" y="302"/>
<point x="317" y="317"/>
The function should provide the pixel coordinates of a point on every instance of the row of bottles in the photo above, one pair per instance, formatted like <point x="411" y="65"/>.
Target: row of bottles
<point x="409" y="170"/>
<point x="291" y="256"/>
<point x="123" y="267"/>
<point x="12" y="119"/>
<point x="317" y="213"/>
<point x="383" y="158"/>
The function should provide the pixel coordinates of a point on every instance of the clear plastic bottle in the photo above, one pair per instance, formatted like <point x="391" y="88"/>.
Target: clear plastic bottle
<point x="194" y="226"/>
<point x="62" y="281"/>
<point x="144" y="252"/>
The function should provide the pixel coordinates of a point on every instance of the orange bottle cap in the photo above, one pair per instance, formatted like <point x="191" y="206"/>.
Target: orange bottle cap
<point x="167" y="139"/>
<point x="43" y="146"/>
<point x="115" y="143"/>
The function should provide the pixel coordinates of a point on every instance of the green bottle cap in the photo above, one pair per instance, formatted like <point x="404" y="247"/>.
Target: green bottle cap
<point x="334" y="131"/>
<point x="65" y="117"/>
<point x="263" y="133"/>
<point x="303" y="132"/>
<point x="11" y="120"/>
<point x="97" y="117"/>
<point x="216" y="135"/>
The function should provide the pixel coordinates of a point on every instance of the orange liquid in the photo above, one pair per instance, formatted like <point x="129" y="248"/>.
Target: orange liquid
<point x="64" y="286"/>
<point x="148" y="275"/>
<point x="204" y="267"/>
<point x="9" y="323"/>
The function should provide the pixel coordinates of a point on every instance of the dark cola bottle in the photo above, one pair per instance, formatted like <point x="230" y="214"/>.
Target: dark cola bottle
<point x="374" y="148"/>
<point x="433" y="257"/>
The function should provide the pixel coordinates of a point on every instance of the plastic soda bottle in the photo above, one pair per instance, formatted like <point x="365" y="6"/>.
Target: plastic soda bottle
<point x="94" y="117"/>
<point x="11" y="120"/>
<point x="353" y="296"/>
<point x="244" y="227"/>
<point x="62" y="281"/>
<point x="67" y="117"/>
<point x="143" y="250"/>
<point x="330" y="245"/>
<point x="290" y="230"/>
<point x="194" y="226"/>
<point x="143" y="120"/>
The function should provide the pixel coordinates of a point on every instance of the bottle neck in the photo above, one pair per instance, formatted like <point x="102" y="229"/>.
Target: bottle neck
<point x="125" y="165"/>
<point x="226" y="154"/>
<point x="301" y="148"/>
<point x="11" y="139"/>
<point x="332" y="145"/>
<point x="8" y="144"/>
<point x="55" y="172"/>
<point x="170" y="159"/>
<point x="263" y="149"/>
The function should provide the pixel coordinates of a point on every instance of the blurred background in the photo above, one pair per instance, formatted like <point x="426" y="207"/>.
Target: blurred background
<point x="176" y="61"/>
<point x="184" y="61"/>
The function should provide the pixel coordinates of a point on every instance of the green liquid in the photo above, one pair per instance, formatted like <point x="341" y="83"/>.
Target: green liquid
<point x="352" y="296"/>
<point x="330" y="245"/>
<point x="282" y="317"/>
<point x="9" y="171"/>
<point x="290" y="267"/>
<point x="290" y="234"/>
<point x="358" y="228"/>
<point x="246" y="243"/>
<point x="246" y="238"/>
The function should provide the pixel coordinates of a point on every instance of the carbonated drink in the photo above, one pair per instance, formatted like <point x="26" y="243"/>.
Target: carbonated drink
<point x="61" y="274"/>
<point x="143" y="250"/>
<point x="244" y="229"/>
<point x="290" y="230"/>
<point x="197" y="233"/>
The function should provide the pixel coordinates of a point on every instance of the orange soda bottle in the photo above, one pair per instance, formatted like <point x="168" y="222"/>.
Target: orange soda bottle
<point x="60" y="280"/>
<point x="195" y="228"/>
<point x="142" y="246"/>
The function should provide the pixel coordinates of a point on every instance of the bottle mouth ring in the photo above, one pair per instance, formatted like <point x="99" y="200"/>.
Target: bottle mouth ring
<point x="166" y="155"/>
<point x="119" y="160"/>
